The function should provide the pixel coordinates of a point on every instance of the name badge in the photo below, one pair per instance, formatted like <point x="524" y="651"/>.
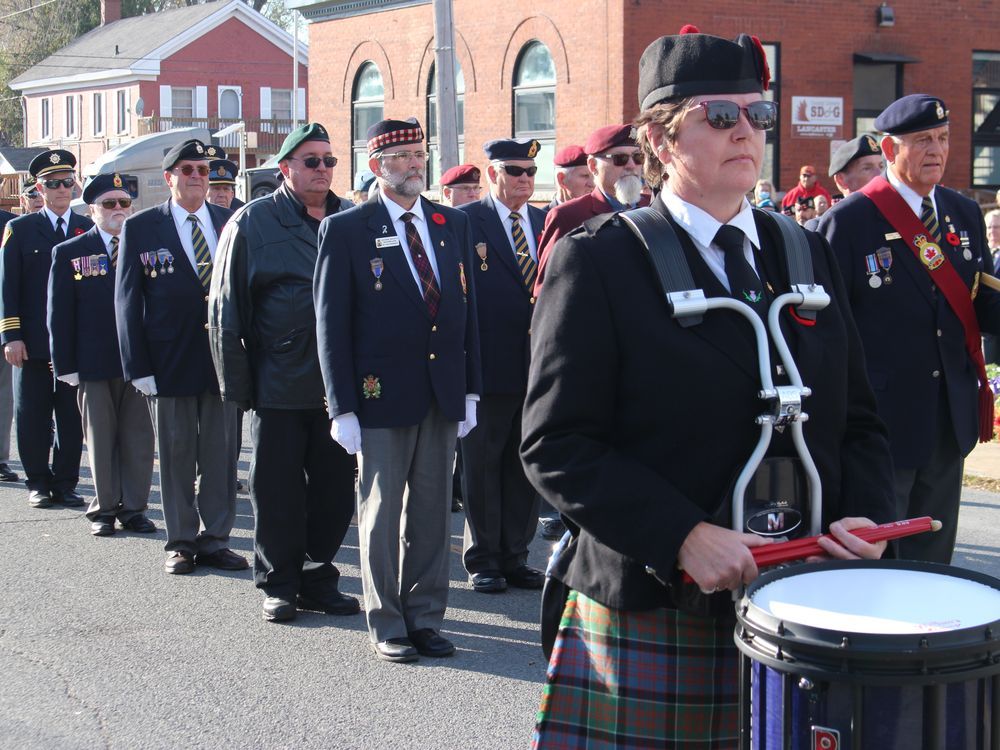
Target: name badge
<point x="381" y="242"/>
<point x="892" y="236"/>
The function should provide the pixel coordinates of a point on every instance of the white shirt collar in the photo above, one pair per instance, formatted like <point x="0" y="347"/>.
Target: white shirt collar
<point x="105" y="237"/>
<point x="504" y="213"/>
<point x="181" y="214"/>
<point x="908" y="194"/>
<point x="702" y="226"/>
<point x="53" y="217"/>
<point x="396" y="211"/>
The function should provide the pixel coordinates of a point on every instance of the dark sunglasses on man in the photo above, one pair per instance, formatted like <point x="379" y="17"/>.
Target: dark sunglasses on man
<point x="66" y="182"/>
<point x="313" y="162"/>
<point x="188" y="169"/>
<point x="31" y="195"/>
<point x="723" y="114"/>
<point x="620" y="160"/>
<point x="112" y="202"/>
<point x="515" y="171"/>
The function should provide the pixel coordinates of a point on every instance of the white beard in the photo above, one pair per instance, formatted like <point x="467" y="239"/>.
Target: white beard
<point x="628" y="189"/>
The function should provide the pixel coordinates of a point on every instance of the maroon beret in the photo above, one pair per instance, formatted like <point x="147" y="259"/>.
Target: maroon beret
<point x="461" y="175"/>
<point x="571" y="156"/>
<point x="608" y="137"/>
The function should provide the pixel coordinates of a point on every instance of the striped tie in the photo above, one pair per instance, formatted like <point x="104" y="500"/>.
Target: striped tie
<point x="929" y="218"/>
<point x="428" y="283"/>
<point x="114" y="252"/>
<point x="524" y="261"/>
<point x="202" y="257"/>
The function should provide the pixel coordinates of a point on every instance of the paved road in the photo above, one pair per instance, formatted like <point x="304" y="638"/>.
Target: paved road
<point x="100" y="649"/>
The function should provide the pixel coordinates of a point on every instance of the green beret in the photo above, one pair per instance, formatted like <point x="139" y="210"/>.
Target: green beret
<point x="311" y="131"/>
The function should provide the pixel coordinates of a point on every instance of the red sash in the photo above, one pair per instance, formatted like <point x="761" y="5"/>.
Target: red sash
<point x="911" y="229"/>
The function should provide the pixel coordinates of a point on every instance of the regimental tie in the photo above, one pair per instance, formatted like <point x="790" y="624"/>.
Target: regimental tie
<point x="929" y="218"/>
<point x="60" y="232"/>
<point x="114" y="252"/>
<point x="428" y="284"/>
<point x="744" y="284"/>
<point x="525" y="262"/>
<point x="202" y="256"/>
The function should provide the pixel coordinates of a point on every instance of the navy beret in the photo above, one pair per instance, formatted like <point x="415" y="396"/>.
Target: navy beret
<point x="912" y="114"/>
<point x="609" y="137"/>
<point x="511" y="148"/>
<point x="222" y="172"/>
<point x="55" y="160"/>
<point x="311" y="131"/>
<point x="385" y="133"/>
<point x="692" y="63"/>
<point x="100" y="184"/>
<point x="215" y="152"/>
<point x="863" y="145"/>
<point x="192" y="150"/>
<point x="570" y="156"/>
<point x="463" y="174"/>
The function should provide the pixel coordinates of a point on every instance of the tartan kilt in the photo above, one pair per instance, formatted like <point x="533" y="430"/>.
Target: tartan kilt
<point x="639" y="680"/>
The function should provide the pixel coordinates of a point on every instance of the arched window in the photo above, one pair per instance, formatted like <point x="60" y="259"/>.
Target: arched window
<point x="367" y="106"/>
<point x="535" y="106"/>
<point x="434" y="165"/>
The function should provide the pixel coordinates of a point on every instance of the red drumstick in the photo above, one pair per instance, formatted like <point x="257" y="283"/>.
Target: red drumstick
<point x="799" y="549"/>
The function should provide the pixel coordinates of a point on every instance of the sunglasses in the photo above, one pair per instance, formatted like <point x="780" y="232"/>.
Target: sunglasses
<point x="188" y="169"/>
<point x="620" y="160"/>
<point x="32" y="195"/>
<point x="723" y="114"/>
<point x="313" y="162"/>
<point x="112" y="202"/>
<point x="67" y="182"/>
<point x="807" y="174"/>
<point x="518" y="171"/>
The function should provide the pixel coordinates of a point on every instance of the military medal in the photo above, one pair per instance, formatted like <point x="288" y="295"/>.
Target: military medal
<point x="76" y="268"/>
<point x="153" y="263"/>
<point x="930" y="254"/>
<point x="103" y="262"/>
<point x="872" y="269"/>
<point x="461" y="277"/>
<point x="377" y="265"/>
<point x="884" y="255"/>
<point x="481" y="252"/>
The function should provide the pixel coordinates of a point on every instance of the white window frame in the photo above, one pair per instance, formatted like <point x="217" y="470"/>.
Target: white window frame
<point x="45" y="116"/>
<point x="238" y="90"/>
<point x="71" y="116"/>
<point x="97" y="113"/>
<point x="122" y="119"/>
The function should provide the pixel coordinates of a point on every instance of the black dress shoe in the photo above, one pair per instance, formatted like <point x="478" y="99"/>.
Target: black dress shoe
<point x="277" y="609"/>
<point x="332" y="603"/>
<point x="241" y="485"/>
<point x="488" y="583"/>
<point x="69" y="498"/>
<point x="139" y="524"/>
<point x="552" y="529"/>
<point x="395" y="649"/>
<point x="39" y="499"/>
<point x="429" y="643"/>
<point x="223" y="559"/>
<point x="7" y="474"/>
<point x="179" y="563"/>
<point x="102" y="527"/>
<point x="524" y="577"/>
<point x="456" y="504"/>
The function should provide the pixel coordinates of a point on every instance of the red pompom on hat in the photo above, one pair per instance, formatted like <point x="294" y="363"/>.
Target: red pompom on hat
<point x="689" y="28"/>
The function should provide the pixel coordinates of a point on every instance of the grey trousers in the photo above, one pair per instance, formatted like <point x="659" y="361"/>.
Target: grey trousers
<point x="6" y="409"/>
<point x="197" y="442"/>
<point x="404" y="512"/>
<point x="119" y="435"/>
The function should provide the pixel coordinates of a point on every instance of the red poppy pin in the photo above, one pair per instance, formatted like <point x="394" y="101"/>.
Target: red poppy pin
<point x="437" y="218"/>
<point x="952" y="239"/>
<point x="77" y="232"/>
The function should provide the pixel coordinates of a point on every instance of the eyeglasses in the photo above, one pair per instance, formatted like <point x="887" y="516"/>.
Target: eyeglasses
<point x="620" y="160"/>
<point x="401" y="156"/>
<point x="67" y="182"/>
<point x="188" y="169"/>
<point x="723" y="114"/>
<point x="313" y="162"/>
<point x="807" y="174"/>
<point x="112" y="202"/>
<point x="518" y="171"/>
<point x="465" y="188"/>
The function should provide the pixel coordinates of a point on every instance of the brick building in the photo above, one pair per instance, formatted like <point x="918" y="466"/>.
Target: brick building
<point x="560" y="68"/>
<point x="205" y="65"/>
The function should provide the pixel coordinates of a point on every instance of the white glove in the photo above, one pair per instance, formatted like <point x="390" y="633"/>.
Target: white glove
<point x="469" y="423"/>
<point x="72" y="378"/>
<point x="146" y="386"/>
<point x="346" y="430"/>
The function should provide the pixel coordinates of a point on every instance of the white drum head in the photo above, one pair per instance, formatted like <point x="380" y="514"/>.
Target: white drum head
<point x="879" y="601"/>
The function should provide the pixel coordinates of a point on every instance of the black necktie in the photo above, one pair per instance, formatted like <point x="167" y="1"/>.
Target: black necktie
<point x="60" y="232"/>
<point x="744" y="284"/>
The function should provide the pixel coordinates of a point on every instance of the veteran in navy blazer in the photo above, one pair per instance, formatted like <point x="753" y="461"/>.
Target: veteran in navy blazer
<point x="399" y="352"/>
<point x="501" y="505"/>
<point x="6" y="394"/>
<point x="25" y="261"/>
<point x="161" y="306"/>
<point x="84" y="344"/>
<point x="925" y="380"/>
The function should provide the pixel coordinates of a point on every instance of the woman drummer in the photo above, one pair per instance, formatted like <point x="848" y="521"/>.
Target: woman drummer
<point x="635" y="427"/>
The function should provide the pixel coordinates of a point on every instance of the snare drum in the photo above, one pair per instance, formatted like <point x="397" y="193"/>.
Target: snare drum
<point x="866" y="655"/>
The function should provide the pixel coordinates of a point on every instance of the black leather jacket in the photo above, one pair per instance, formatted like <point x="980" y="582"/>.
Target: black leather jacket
<point x="262" y="324"/>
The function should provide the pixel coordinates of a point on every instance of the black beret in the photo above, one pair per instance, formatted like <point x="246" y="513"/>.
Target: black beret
<point x="911" y="114"/>
<point x="806" y="201"/>
<point x="570" y="156"/>
<point x="311" y="131"/>
<point x="692" y="63"/>
<point x="29" y="186"/>
<point x="463" y="174"/>
<point x="55" y="160"/>
<point x="511" y="148"/>
<point x="100" y="184"/>
<point x="386" y="133"/>
<point x="222" y="172"/>
<point x="215" y="152"/>
<point x="192" y="150"/>
<point x="863" y="145"/>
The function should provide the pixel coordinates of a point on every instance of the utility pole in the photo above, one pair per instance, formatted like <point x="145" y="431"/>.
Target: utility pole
<point x="444" y="70"/>
<point x="295" y="70"/>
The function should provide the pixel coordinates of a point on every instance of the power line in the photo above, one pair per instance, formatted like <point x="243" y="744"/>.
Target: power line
<point x="25" y="10"/>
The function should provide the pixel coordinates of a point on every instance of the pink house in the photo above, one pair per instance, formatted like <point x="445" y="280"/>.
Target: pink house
<point x="205" y="65"/>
